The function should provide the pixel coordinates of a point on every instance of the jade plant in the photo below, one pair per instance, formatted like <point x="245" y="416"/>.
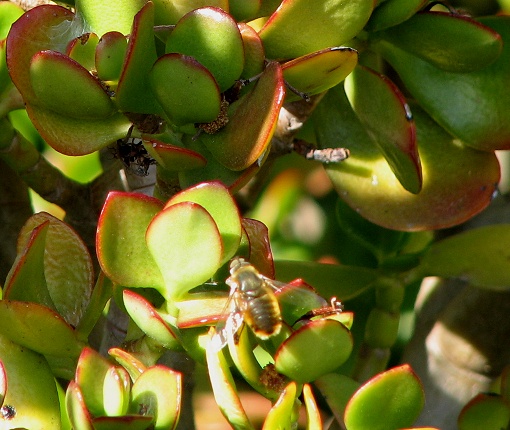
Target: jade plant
<point x="337" y="149"/>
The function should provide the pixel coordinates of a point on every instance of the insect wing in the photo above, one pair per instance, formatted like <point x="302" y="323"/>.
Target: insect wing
<point x="227" y="326"/>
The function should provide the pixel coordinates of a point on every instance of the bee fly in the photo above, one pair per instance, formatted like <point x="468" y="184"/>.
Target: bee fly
<point x="255" y="303"/>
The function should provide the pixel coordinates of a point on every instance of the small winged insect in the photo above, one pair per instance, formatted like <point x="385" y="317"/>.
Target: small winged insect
<point x="252" y="301"/>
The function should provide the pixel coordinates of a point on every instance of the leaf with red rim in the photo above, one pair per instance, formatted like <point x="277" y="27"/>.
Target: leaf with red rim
<point x="174" y="158"/>
<point x="185" y="242"/>
<point x="109" y="55"/>
<point x="396" y="395"/>
<point x="125" y="422"/>
<point x="366" y="182"/>
<point x="487" y="411"/>
<point x="211" y="37"/>
<point x="215" y="198"/>
<point x="148" y="320"/>
<point x="38" y="328"/>
<point x="186" y="90"/>
<point x="90" y="373"/>
<point x="281" y="414"/>
<point x="76" y="409"/>
<point x="383" y="109"/>
<point x="159" y="391"/>
<point x="393" y="12"/>
<point x="248" y="133"/>
<point x="254" y="55"/>
<point x="83" y="50"/>
<point x="317" y="348"/>
<point x="455" y="100"/>
<point x="42" y="28"/>
<point x="120" y="241"/>
<point x="133" y="91"/>
<point x="68" y="269"/>
<point x="317" y="72"/>
<point x="76" y="136"/>
<point x="134" y="366"/>
<point x="299" y="27"/>
<point x="25" y="281"/>
<point x="455" y="43"/>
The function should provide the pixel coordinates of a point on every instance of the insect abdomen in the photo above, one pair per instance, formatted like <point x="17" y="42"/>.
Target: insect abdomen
<point x="263" y="316"/>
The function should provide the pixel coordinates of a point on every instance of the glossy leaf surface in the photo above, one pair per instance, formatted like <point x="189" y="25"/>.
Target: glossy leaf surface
<point x="75" y="136"/>
<point x="83" y="50"/>
<point x="170" y="11"/>
<point x="90" y="375"/>
<point x="486" y="411"/>
<point x="211" y="37"/>
<point x="316" y="348"/>
<point x="116" y="15"/>
<point x="76" y="409"/>
<point x="248" y="133"/>
<point x="148" y="320"/>
<point x="185" y="89"/>
<point x="393" y="12"/>
<point x="120" y="241"/>
<point x="38" y="328"/>
<point x="460" y="256"/>
<point x="36" y="402"/>
<point x="254" y="54"/>
<point x="185" y="243"/>
<point x="158" y="392"/>
<point x="390" y="400"/>
<point x="299" y="27"/>
<point x="456" y="100"/>
<point x="319" y="71"/>
<point x="384" y="111"/>
<point x="46" y="27"/>
<point x="133" y="91"/>
<point x="109" y="55"/>
<point x="450" y="42"/>
<point x="215" y="198"/>
<point x="367" y="184"/>
<point x="280" y="415"/>
<point x="174" y="158"/>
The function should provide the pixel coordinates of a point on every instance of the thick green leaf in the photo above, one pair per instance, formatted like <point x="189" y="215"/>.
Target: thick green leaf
<point x="313" y="417"/>
<point x="133" y="91"/>
<point x="246" y="137"/>
<point x="282" y="413"/>
<point x="215" y="198"/>
<point x="121" y="248"/>
<point x="9" y="13"/>
<point x="383" y="109"/>
<point x="68" y="269"/>
<point x="25" y="281"/>
<point x="76" y="136"/>
<point x="454" y="43"/>
<point x="114" y="15"/>
<point x="299" y="27"/>
<point x="479" y="256"/>
<point x="254" y="55"/>
<point x="344" y="282"/>
<point x="490" y="412"/>
<point x="174" y="158"/>
<point x="148" y="320"/>
<point x="185" y="89"/>
<point x="44" y="27"/>
<point x="134" y="366"/>
<point x="211" y="37"/>
<point x="224" y="390"/>
<point x="392" y="12"/>
<point x="38" y="328"/>
<point x="319" y="71"/>
<point x="389" y="401"/>
<point x="125" y="422"/>
<point x="116" y="391"/>
<point x="109" y="56"/>
<point x="83" y="50"/>
<point x="170" y="11"/>
<point x="158" y="392"/>
<point x="315" y="349"/>
<point x="76" y="409"/>
<point x="455" y="100"/>
<point x="31" y="388"/>
<point x="337" y="390"/>
<point x="366" y="182"/>
<point x="91" y="372"/>
<point x="185" y="242"/>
